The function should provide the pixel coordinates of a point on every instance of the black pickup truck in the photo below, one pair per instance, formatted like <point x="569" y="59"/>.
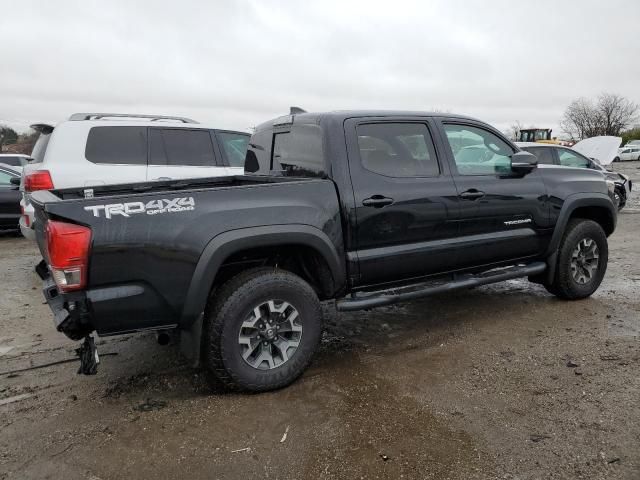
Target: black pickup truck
<point x="366" y="208"/>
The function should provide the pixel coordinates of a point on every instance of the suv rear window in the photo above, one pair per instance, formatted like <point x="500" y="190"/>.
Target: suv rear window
<point x="182" y="147"/>
<point x="234" y="147"/>
<point x="117" y="145"/>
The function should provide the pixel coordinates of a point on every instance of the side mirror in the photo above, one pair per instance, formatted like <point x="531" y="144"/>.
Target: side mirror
<point x="15" y="181"/>
<point x="523" y="162"/>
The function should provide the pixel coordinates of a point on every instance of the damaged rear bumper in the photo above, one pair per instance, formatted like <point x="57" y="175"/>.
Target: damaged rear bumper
<point x="70" y="311"/>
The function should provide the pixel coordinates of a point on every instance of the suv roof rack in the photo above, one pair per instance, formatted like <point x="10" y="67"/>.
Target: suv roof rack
<point x="153" y="118"/>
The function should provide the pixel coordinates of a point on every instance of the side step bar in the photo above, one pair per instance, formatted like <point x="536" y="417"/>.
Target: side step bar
<point x="402" y="294"/>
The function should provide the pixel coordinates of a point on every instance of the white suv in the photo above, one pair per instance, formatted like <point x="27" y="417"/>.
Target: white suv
<point x="93" y="149"/>
<point x="628" y="152"/>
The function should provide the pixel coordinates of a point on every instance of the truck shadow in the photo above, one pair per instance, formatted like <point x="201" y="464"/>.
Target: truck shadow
<point x="421" y="324"/>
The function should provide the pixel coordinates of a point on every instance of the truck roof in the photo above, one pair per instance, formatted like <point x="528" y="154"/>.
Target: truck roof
<point x="341" y="115"/>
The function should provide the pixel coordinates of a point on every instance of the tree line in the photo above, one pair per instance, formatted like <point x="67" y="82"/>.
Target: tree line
<point x="608" y="114"/>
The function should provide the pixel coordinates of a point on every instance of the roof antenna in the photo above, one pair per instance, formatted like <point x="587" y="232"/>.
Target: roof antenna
<point x="296" y="110"/>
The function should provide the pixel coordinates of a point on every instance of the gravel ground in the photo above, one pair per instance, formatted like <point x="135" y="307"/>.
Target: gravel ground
<point x="503" y="381"/>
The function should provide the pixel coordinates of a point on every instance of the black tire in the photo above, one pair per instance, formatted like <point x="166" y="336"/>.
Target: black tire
<point x="564" y="284"/>
<point x="617" y="159"/>
<point x="234" y="303"/>
<point x="638" y="158"/>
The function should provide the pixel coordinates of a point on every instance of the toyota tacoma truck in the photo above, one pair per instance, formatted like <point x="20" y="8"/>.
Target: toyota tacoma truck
<point x="364" y="208"/>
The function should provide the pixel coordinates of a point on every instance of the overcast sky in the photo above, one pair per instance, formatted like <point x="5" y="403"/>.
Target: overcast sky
<point x="236" y="64"/>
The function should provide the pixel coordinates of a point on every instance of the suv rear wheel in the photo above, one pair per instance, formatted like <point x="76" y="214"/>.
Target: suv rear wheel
<point x="262" y="328"/>
<point x="582" y="260"/>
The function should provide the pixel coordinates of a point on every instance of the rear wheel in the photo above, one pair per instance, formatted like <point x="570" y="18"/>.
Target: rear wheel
<point x="261" y="329"/>
<point x="582" y="260"/>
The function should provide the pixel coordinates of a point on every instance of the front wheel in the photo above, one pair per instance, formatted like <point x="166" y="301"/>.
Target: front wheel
<point x="582" y="260"/>
<point x="262" y="328"/>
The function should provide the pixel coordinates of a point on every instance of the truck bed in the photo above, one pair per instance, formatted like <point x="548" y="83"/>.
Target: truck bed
<point x="147" y="238"/>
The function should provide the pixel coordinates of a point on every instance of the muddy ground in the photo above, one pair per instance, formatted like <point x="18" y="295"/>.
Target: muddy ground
<point x="472" y="385"/>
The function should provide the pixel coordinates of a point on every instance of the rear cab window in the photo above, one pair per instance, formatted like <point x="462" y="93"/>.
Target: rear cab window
<point x="298" y="152"/>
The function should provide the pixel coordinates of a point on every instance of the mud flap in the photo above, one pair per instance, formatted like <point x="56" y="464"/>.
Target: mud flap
<point x="88" y="353"/>
<point x="190" y="342"/>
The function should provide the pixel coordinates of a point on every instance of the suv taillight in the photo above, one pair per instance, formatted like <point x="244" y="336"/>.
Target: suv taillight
<point x="68" y="250"/>
<point x="38" y="180"/>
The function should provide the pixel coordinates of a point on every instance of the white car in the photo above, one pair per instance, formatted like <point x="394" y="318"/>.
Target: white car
<point x="93" y="149"/>
<point x="628" y="153"/>
<point x="15" y="159"/>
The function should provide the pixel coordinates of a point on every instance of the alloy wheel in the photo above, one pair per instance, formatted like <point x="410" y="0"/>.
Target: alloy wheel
<point x="271" y="334"/>
<point x="584" y="261"/>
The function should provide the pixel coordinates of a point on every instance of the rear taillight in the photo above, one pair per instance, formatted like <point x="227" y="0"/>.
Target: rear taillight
<point x="68" y="250"/>
<point x="38" y="180"/>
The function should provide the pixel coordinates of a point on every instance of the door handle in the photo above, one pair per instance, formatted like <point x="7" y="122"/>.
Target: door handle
<point x="471" y="194"/>
<point x="377" y="201"/>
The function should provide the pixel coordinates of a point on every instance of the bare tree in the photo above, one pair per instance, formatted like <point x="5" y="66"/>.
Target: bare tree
<point x="513" y="132"/>
<point x="609" y="115"/>
<point x="616" y="112"/>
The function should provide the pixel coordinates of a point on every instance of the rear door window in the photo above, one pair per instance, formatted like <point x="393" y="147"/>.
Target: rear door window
<point x="397" y="149"/>
<point x="543" y="154"/>
<point x="117" y="145"/>
<point x="181" y="147"/>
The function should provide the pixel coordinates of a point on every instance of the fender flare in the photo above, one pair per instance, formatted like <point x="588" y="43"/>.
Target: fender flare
<point x="233" y="241"/>
<point x="578" y="200"/>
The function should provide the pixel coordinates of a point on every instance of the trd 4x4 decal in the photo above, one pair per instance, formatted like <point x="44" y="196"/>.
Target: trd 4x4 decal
<point x="153" y="207"/>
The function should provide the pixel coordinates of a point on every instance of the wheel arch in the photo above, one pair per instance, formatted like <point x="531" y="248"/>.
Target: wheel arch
<point x="293" y="239"/>
<point x="597" y="207"/>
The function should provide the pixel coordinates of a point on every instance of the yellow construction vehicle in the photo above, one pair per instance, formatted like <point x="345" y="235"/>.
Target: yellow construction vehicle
<point x="540" y="135"/>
